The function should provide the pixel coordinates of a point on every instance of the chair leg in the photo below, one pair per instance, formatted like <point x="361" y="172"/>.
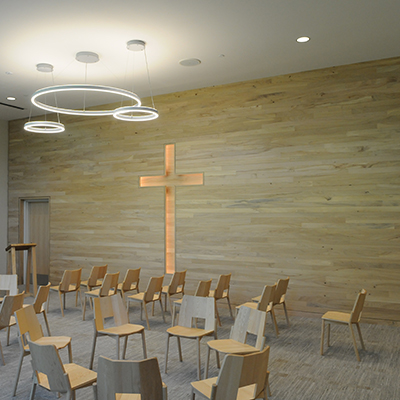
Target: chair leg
<point x="152" y="309"/>
<point x="144" y="345"/>
<point x="198" y="360"/>
<point x="162" y="311"/>
<point x="166" y="353"/>
<point x="230" y="308"/>
<point x="322" y="337"/>
<point x="46" y="322"/>
<point x="329" y="334"/>
<point x="118" y="352"/>
<point x="179" y="349"/>
<point x="2" y="355"/>
<point x="286" y="313"/>
<point x="8" y="335"/>
<point x="76" y="298"/>
<point x="354" y="342"/>
<point x="359" y="334"/>
<point x="207" y="363"/>
<point x="217" y="314"/>
<point x="21" y="359"/>
<point x="146" y="315"/>
<point x="33" y="390"/>
<point x="84" y="308"/>
<point x="170" y="304"/>
<point x="125" y="346"/>
<point x="93" y="351"/>
<point x="274" y="321"/>
<point x="61" y="303"/>
<point x="217" y="359"/>
<point x="70" y="352"/>
<point x="193" y="394"/>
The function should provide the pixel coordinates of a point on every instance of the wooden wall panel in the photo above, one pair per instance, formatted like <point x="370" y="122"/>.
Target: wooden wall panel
<point x="301" y="179"/>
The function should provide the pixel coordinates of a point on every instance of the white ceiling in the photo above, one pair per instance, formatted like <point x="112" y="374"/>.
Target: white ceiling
<point x="236" y="40"/>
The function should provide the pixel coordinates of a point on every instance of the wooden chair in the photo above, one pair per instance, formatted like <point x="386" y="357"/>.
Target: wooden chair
<point x="222" y="292"/>
<point x="107" y="288"/>
<point x="247" y="321"/>
<point x="242" y="377"/>
<point x="202" y="290"/>
<point x="9" y="284"/>
<point x="113" y="306"/>
<point x="41" y="299"/>
<point x="349" y="319"/>
<point x="70" y="282"/>
<point x="116" y="378"/>
<point x="130" y="282"/>
<point x="97" y="274"/>
<point x="175" y="287"/>
<point x="28" y="326"/>
<point x="193" y="307"/>
<point x="151" y="295"/>
<point x="264" y="304"/>
<point x="51" y="374"/>
<point x="279" y="298"/>
<point x="8" y="307"/>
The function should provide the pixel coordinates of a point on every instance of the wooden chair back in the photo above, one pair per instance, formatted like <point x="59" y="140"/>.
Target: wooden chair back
<point x="249" y="320"/>
<point x="222" y="286"/>
<point x="41" y="297"/>
<point x="358" y="307"/>
<point x="197" y="307"/>
<point x="10" y="304"/>
<point x="71" y="280"/>
<point x="131" y="280"/>
<point x="154" y="289"/>
<point x="203" y="288"/>
<point x="107" y="307"/>
<point x="96" y="273"/>
<point x="123" y="376"/>
<point x="110" y="282"/>
<point x="177" y="284"/>
<point x="46" y="360"/>
<point x="9" y="284"/>
<point x="280" y="291"/>
<point x="241" y="370"/>
<point x="28" y="323"/>
<point x="267" y="297"/>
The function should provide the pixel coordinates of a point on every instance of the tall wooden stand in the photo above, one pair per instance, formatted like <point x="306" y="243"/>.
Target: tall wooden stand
<point x="31" y="248"/>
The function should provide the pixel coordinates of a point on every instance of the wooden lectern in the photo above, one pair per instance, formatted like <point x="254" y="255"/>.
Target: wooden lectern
<point x="31" y="248"/>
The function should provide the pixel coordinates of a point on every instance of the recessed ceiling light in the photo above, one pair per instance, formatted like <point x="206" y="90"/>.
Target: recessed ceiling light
<point x="190" y="62"/>
<point x="11" y="98"/>
<point x="302" y="39"/>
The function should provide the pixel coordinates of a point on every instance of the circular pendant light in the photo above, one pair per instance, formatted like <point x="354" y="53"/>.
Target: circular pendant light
<point x="135" y="113"/>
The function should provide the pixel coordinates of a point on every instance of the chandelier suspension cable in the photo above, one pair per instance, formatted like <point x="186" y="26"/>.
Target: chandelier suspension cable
<point x="148" y="77"/>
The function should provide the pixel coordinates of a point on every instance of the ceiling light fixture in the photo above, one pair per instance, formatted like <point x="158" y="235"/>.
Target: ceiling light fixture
<point x="11" y="98"/>
<point x="302" y="39"/>
<point x="44" y="126"/>
<point x="138" y="112"/>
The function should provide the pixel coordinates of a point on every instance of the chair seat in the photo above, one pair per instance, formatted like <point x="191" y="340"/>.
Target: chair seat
<point x="59" y="341"/>
<point x="71" y="288"/>
<point x="182" y="331"/>
<point x="254" y="305"/>
<point x="230" y="346"/>
<point x="127" y="396"/>
<point x="224" y="295"/>
<point x="122" y="330"/>
<point x="78" y="376"/>
<point x="140" y="296"/>
<point x="98" y="283"/>
<point x="336" y="316"/>
<point x="256" y="299"/>
<point x="133" y="286"/>
<point x="96" y="292"/>
<point x="165" y="290"/>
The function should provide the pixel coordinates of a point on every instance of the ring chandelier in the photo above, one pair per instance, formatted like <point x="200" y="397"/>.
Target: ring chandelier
<point x="134" y="112"/>
<point x="44" y="126"/>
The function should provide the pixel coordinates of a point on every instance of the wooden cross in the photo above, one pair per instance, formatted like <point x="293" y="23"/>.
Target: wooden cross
<point x="170" y="180"/>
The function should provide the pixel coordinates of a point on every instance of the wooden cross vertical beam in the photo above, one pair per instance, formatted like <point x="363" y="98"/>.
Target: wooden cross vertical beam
<point x="170" y="180"/>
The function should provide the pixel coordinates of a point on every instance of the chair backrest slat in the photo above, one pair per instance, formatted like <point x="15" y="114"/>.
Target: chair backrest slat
<point x="222" y="286"/>
<point x="358" y="306"/>
<point x="9" y="283"/>
<point x="197" y="307"/>
<point x="281" y="289"/>
<point x="41" y="297"/>
<point x="154" y="287"/>
<point x="267" y="296"/>
<point x="177" y="282"/>
<point x="110" y="282"/>
<point x="28" y="323"/>
<point x="109" y="306"/>
<point x="8" y="307"/>
<point x="131" y="277"/>
<point x="203" y="288"/>
<point x="70" y="277"/>
<point x="96" y="273"/>
<point x="123" y="376"/>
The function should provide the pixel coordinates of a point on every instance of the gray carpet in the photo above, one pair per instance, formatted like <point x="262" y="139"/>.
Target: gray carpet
<point x="297" y="369"/>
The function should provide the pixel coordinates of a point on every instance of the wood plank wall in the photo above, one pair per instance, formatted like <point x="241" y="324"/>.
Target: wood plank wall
<point x="301" y="179"/>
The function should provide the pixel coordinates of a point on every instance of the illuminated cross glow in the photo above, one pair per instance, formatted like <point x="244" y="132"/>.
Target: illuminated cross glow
<point x="170" y="180"/>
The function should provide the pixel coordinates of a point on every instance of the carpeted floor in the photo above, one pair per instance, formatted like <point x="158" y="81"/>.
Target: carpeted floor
<point x="297" y="369"/>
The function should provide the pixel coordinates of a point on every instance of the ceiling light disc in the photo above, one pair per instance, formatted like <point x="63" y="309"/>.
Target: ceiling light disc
<point x="303" y="39"/>
<point x="81" y="87"/>
<point x="136" y="45"/>
<point x="44" y="127"/>
<point x="87" y="57"/>
<point x="136" y="113"/>
<point x="190" y="62"/>
<point x="44" y="67"/>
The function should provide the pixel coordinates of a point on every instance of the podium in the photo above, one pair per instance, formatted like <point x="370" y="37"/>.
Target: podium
<point x="31" y="265"/>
